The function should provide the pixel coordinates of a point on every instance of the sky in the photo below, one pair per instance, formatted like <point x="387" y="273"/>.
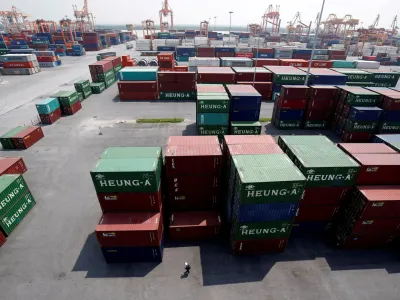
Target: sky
<point x="122" y="12"/>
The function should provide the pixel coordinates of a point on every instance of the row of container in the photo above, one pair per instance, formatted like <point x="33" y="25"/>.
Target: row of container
<point x="21" y="137"/>
<point x="19" y="64"/>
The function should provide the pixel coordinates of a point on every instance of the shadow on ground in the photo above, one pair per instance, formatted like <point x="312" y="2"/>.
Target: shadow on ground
<point x="91" y="260"/>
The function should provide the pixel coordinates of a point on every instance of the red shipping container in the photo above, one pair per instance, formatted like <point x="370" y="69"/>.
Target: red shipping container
<point x="133" y="229"/>
<point x="249" y="76"/>
<point x="211" y="89"/>
<point x="194" y="201"/>
<point x="73" y="109"/>
<point x="127" y="96"/>
<point x="359" y="241"/>
<point x="186" y="77"/>
<point x="365" y="148"/>
<point x="321" y="104"/>
<point x="316" y="213"/>
<point x="299" y="63"/>
<point x="205" y="50"/>
<point x="378" y="168"/>
<point x="379" y="202"/>
<point x="46" y="58"/>
<point x="176" y="86"/>
<point x="192" y="140"/>
<point x="324" y="195"/>
<point x="27" y="137"/>
<point x="166" y="64"/>
<point x="369" y="57"/>
<point x="137" y="86"/>
<point x="126" y="58"/>
<point x="205" y="54"/>
<point x="261" y="62"/>
<point x="2" y="239"/>
<point x="195" y="159"/>
<point x="259" y="246"/>
<point x="51" y="117"/>
<point x="100" y="67"/>
<point x="376" y="226"/>
<point x="165" y="57"/>
<point x="171" y="69"/>
<point x="216" y="78"/>
<point x="116" y="61"/>
<point x="391" y="103"/>
<point x="321" y="64"/>
<point x="264" y="88"/>
<point x="190" y="182"/>
<point x="292" y="104"/>
<point x="14" y="64"/>
<point x="338" y="57"/>
<point x="244" y="54"/>
<point x="12" y="165"/>
<point x="194" y="225"/>
<point x="181" y="68"/>
<point x="337" y="52"/>
<point x="294" y="92"/>
<point x="118" y="202"/>
<point x="224" y="54"/>
<point x="317" y="114"/>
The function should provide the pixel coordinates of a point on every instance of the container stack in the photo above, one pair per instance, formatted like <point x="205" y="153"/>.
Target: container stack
<point x="356" y="77"/>
<point x="329" y="172"/>
<point x="219" y="75"/>
<point x="225" y="52"/>
<point x="143" y="45"/>
<point x="372" y="216"/>
<point x="91" y="41"/>
<point x="103" y="71"/>
<point x="193" y="175"/>
<point x="384" y="78"/>
<point x="290" y="106"/>
<point x="205" y="51"/>
<point x="262" y="80"/>
<point x="138" y="83"/>
<point x="177" y="85"/>
<point x="321" y="100"/>
<point x="19" y="64"/>
<point x="69" y="102"/>
<point x="245" y="107"/>
<point x="261" y="62"/>
<point x="49" y="110"/>
<point x="78" y="50"/>
<point x="127" y="181"/>
<point x="261" y="216"/>
<point x="47" y="59"/>
<point x="83" y="87"/>
<point x="283" y="53"/>
<point x="12" y="165"/>
<point x="263" y="53"/>
<point x="356" y="117"/>
<point x="15" y="206"/>
<point x="304" y="54"/>
<point x="212" y="110"/>
<point x="116" y="62"/>
<point x="97" y="87"/>
<point x="337" y="54"/>
<point x="184" y="52"/>
<point x="322" y="55"/>
<point x="166" y="61"/>
<point x="321" y="76"/>
<point x="285" y="75"/>
<point x="21" y="137"/>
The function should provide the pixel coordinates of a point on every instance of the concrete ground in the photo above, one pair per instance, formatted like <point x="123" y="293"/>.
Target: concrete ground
<point x="53" y="254"/>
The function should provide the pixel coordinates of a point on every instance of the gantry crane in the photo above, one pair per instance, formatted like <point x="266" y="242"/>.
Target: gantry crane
<point x="14" y="20"/>
<point x="296" y="27"/>
<point x="204" y="28"/>
<point x="84" y="18"/>
<point x="376" y="23"/>
<point x="272" y="17"/>
<point x="46" y="26"/>
<point x="164" y="12"/>
<point x="393" y="30"/>
<point x="254" y="28"/>
<point x="148" y="28"/>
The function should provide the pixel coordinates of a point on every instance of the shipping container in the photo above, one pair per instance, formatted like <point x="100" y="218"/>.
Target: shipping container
<point x="193" y="159"/>
<point x="355" y="75"/>
<point x="277" y="211"/>
<point x="245" y="128"/>
<point x="71" y="110"/>
<point x="210" y="88"/>
<point x="285" y="140"/>
<point x="130" y="229"/>
<point x="12" y="187"/>
<point x="213" y="119"/>
<point x="287" y="75"/>
<point x="294" y="92"/>
<point x="192" y="140"/>
<point x="27" y="137"/>
<point x="133" y="175"/>
<point x="360" y="241"/>
<point x="12" y="165"/>
<point x="213" y="104"/>
<point x="250" y="74"/>
<point x="301" y="229"/>
<point x="2" y="239"/>
<point x="316" y="213"/>
<point x="50" y="118"/>
<point x="322" y="92"/>
<point x="366" y="148"/>
<point x="219" y="130"/>
<point x="262" y="246"/>
<point x="6" y="139"/>
<point x="47" y="105"/>
<point x="194" y="225"/>
<point x="260" y="230"/>
<point x="325" y="195"/>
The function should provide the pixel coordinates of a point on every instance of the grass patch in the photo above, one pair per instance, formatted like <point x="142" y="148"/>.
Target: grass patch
<point x="265" y="119"/>
<point x="165" y="120"/>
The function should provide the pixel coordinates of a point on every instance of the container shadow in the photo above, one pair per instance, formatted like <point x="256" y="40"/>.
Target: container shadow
<point x="91" y="260"/>
<point x="272" y="130"/>
<point x="190" y="129"/>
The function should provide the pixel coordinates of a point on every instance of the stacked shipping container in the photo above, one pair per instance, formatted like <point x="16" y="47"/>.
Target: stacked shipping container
<point x="260" y="76"/>
<point x="138" y="83"/>
<point x="69" y="102"/>
<point x="49" y="110"/>
<point x="103" y="71"/>
<point x="177" y="85"/>
<point x="285" y="75"/>
<point x="83" y="87"/>
<point x="19" y="64"/>
<point x="321" y="100"/>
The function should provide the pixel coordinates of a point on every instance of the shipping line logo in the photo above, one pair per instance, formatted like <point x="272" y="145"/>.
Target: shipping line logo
<point x="258" y="231"/>
<point x="9" y="221"/>
<point x="252" y="193"/>
<point x="11" y="195"/>
<point x="121" y="182"/>
<point x="311" y="176"/>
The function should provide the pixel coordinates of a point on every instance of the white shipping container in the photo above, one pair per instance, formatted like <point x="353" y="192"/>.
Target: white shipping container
<point x="204" y="61"/>
<point x="216" y="43"/>
<point x="365" y="64"/>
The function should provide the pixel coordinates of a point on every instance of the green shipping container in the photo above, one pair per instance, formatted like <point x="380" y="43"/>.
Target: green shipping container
<point x="133" y="175"/>
<point x="6" y="140"/>
<point x="389" y="127"/>
<point x="384" y="84"/>
<point x="265" y="179"/>
<point x="212" y="119"/>
<point x="285" y="140"/>
<point x="287" y="75"/>
<point x="182" y="58"/>
<point x="383" y="76"/>
<point x="219" y="130"/>
<point x="106" y="76"/>
<point x="12" y="187"/>
<point x="80" y="96"/>
<point x="117" y="68"/>
<point x="109" y="82"/>
<point x="362" y="84"/>
<point x="260" y="230"/>
<point x="288" y="124"/>
<point x="315" y="124"/>
<point x="327" y="170"/>
<point x="213" y="104"/>
<point x="361" y="126"/>
<point x="355" y="75"/>
<point x="81" y="85"/>
<point x="87" y="92"/>
<point x="358" y="96"/>
<point x="97" y="87"/>
<point x="173" y="96"/>
<point x="245" y="128"/>
<point x="344" y="64"/>
<point x="68" y="98"/>
<point x="17" y="213"/>
<point x="330" y="149"/>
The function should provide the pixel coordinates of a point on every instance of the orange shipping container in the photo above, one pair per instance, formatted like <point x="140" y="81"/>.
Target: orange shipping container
<point x="13" y="64"/>
<point x="181" y="68"/>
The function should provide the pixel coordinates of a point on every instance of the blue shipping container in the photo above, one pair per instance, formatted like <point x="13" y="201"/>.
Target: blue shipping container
<point x="212" y="119"/>
<point x="366" y="113"/>
<point x="265" y="212"/>
<point x="328" y="79"/>
<point x="245" y="115"/>
<point x="166" y="48"/>
<point x="290" y="114"/>
<point x="47" y="105"/>
<point x="133" y="254"/>
<point x="306" y="228"/>
<point x="224" y="49"/>
<point x="264" y="55"/>
<point x="391" y="116"/>
<point x="245" y="102"/>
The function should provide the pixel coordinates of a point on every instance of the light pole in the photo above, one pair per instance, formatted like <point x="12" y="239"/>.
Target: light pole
<point x="215" y="22"/>
<point x="230" y="21"/>
<point x="315" y="38"/>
